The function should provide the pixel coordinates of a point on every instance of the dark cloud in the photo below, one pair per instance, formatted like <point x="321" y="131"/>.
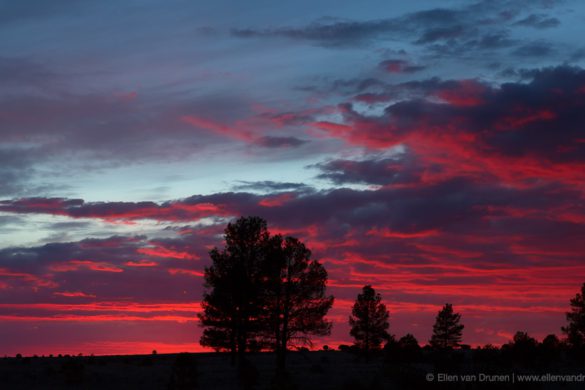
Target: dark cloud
<point x="441" y="33"/>
<point x="6" y="220"/>
<point x="280" y="142"/>
<point x="432" y="24"/>
<point x="538" y="21"/>
<point x="16" y="168"/>
<point x="455" y="204"/>
<point x="534" y="49"/>
<point x="110" y="269"/>
<point x="340" y="33"/>
<point x="400" y="66"/>
<point x="69" y="225"/>
<point x="448" y="30"/>
<point x="540" y="118"/>
<point x="494" y="40"/>
<point x="269" y="186"/>
<point x="380" y="171"/>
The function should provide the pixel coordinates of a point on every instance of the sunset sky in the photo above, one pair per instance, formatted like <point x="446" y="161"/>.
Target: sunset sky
<point x="435" y="153"/>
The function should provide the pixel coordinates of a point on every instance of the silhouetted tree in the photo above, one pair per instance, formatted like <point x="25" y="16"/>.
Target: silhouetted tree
<point x="406" y="349"/>
<point x="550" y="349"/>
<point x="447" y="331"/>
<point x="575" y="329"/>
<point x="262" y="291"/>
<point x="408" y="342"/>
<point x="522" y="349"/>
<point x="297" y="302"/>
<point x="234" y="283"/>
<point x="551" y="342"/>
<point x="522" y="341"/>
<point x="369" y="321"/>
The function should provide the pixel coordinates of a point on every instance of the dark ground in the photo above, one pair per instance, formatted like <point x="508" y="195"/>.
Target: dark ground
<point x="306" y="370"/>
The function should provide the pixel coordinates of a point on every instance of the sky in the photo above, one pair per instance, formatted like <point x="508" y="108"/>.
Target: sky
<point x="435" y="150"/>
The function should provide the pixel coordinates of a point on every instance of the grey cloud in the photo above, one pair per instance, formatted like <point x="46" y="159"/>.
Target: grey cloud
<point x="539" y="21"/>
<point x="280" y="142"/>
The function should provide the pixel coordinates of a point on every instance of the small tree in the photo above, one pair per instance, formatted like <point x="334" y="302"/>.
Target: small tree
<point x="369" y="321"/>
<point x="447" y="331"/>
<point x="575" y="329"/>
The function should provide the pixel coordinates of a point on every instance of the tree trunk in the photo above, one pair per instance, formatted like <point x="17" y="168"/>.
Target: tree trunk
<point x="285" y="317"/>
<point x="278" y="334"/>
<point x="241" y="348"/>
<point x="233" y="345"/>
<point x="284" y="342"/>
<point x="367" y="347"/>
<point x="240" y="337"/>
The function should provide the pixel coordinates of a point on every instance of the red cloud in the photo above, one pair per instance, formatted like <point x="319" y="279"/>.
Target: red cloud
<point x="217" y="127"/>
<point x="116" y="211"/>
<point x="141" y="263"/>
<point x="159" y="251"/>
<point x="465" y="93"/>
<point x="276" y="200"/>
<point x="335" y="129"/>
<point x="73" y="294"/>
<point x="74" y="265"/>
<point x="29" y="278"/>
<point x="387" y="233"/>
<point x="179" y="271"/>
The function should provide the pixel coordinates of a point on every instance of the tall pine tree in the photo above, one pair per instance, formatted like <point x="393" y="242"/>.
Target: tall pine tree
<point x="369" y="321"/>
<point x="447" y="331"/>
<point x="232" y="304"/>
<point x="575" y="329"/>
<point x="298" y="302"/>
